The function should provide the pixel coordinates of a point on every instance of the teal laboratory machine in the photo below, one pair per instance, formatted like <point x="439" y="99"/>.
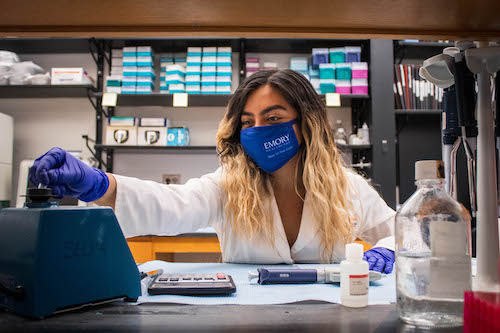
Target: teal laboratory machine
<point x="57" y="258"/>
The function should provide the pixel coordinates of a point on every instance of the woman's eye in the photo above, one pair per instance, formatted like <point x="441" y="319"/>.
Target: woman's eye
<point x="272" y="118"/>
<point x="245" y="122"/>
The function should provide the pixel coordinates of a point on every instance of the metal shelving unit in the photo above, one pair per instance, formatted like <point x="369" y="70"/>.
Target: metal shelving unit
<point x="359" y="103"/>
<point x="45" y="91"/>
<point x="363" y="106"/>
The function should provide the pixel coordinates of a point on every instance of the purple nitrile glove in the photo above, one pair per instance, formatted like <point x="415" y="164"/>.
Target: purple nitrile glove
<point x="380" y="259"/>
<point x="67" y="175"/>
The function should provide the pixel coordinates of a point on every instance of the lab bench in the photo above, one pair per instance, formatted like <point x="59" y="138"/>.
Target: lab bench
<point x="311" y="316"/>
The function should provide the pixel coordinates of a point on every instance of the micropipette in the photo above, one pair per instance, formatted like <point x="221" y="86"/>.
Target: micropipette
<point x="299" y="275"/>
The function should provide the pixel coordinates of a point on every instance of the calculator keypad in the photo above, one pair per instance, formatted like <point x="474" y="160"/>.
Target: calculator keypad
<point x="192" y="284"/>
<point x="219" y="277"/>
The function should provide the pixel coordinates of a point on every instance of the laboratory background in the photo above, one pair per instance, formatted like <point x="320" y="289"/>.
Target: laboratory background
<point x="138" y="89"/>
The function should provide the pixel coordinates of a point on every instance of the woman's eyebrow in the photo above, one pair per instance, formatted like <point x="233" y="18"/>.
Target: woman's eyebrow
<point x="266" y="110"/>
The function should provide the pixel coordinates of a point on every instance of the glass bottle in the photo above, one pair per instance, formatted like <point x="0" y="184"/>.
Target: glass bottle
<point x="433" y="259"/>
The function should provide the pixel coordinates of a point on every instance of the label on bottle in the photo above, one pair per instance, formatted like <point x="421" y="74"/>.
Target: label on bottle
<point x="358" y="285"/>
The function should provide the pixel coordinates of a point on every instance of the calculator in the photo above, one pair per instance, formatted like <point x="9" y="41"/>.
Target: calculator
<point x="192" y="284"/>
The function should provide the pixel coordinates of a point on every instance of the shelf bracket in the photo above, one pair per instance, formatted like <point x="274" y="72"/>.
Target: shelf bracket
<point x="95" y="104"/>
<point x="95" y="154"/>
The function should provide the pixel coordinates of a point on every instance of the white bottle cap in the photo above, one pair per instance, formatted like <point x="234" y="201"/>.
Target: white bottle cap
<point x="354" y="251"/>
<point x="429" y="169"/>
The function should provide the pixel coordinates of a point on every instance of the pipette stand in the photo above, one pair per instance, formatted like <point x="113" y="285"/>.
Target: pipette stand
<point x="485" y="61"/>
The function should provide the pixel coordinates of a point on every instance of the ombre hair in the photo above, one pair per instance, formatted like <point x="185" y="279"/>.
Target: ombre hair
<point x="320" y="165"/>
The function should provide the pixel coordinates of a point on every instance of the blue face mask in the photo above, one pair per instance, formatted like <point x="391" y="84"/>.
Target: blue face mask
<point x="270" y="146"/>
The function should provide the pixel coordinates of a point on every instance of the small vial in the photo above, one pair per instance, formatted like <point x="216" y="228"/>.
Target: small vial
<point x="354" y="278"/>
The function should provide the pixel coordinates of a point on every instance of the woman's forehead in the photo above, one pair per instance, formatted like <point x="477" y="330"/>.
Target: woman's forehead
<point x="264" y="98"/>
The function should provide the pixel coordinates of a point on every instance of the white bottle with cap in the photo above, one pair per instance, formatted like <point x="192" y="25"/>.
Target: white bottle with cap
<point x="354" y="277"/>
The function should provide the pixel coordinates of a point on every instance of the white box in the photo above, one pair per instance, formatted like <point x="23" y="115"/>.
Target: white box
<point x="69" y="75"/>
<point x="153" y="122"/>
<point x="121" y="131"/>
<point x="117" y="62"/>
<point x="224" y="49"/>
<point x="114" y="90"/>
<point x="253" y="65"/>
<point x="152" y="136"/>
<point x="209" y="50"/>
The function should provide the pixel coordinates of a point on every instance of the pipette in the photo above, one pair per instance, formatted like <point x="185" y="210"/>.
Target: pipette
<point x="299" y="275"/>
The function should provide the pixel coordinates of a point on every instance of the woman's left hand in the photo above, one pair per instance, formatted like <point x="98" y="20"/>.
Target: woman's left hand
<point x="380" y="259"/>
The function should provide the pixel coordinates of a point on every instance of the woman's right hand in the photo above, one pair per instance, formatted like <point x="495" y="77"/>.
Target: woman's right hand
<point x="67" y="175"/>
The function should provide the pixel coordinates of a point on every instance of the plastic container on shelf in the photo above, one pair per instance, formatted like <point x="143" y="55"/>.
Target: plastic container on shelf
<point x="353" y="53"/>
<point x="359" y="86"/>
<point x="327" y="71"/>
<point x="319" y="56"/>
<point x="343" y="87"/>
<point x="344" y="71"/>
<point x="359" y="70"/>
<point x="337" y="55"/>
<point x="327" y="86"/>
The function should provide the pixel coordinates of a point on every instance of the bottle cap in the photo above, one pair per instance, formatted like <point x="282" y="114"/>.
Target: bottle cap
<point x="430" y="169"/>
<point x="354" y="251"/>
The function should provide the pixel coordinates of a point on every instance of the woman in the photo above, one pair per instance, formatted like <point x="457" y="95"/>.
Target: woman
<point x="282" y="193"/>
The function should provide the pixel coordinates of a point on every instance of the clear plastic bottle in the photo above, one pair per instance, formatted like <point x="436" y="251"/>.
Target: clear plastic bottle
<point x="354" y="278"/>
<point x="433" y="259"/>
<point x="364" y="134"/>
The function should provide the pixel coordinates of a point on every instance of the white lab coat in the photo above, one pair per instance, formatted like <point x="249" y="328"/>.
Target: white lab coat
<point x="149" y="208"/>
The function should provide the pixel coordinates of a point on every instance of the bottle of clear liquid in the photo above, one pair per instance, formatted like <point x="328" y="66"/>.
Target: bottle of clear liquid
<point x="433" y="263"/>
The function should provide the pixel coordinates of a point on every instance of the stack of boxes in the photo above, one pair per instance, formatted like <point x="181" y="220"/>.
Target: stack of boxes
<point x="301" y="65"/>
<point x="175" y="78"/>
<point x="165" y="61"/>
<point x="114" y="80"/>
<point x="138" y="70"/>
<point x="193" y="70"/>
<point x="223" y="81"/>
<point x="252" y="65"/>
<point x="340" y="70"/>
<point x="173" y="74"/>
<point x="209" y="70"/>
<point x="129" y="70"/>
<point x="145" y="70"/>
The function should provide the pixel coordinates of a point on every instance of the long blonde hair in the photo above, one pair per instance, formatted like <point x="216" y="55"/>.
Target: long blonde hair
<point x="319" y="164"/>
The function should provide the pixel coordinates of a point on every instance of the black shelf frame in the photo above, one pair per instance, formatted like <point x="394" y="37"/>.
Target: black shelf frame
<point x="426" y="44"/>
<point x="163" y="149"/>
<point x="46" y="91"/>
<point x="194" y="100"/>
<point x="354" y="147"/>
<point x="418" y="112"/>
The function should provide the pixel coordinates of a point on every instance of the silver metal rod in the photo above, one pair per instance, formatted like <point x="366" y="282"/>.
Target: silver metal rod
<point x="447" y="165"/>
<point x="471" y="173"/>
<point x="453" y="170"/>
<point x="487" y="277"/>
